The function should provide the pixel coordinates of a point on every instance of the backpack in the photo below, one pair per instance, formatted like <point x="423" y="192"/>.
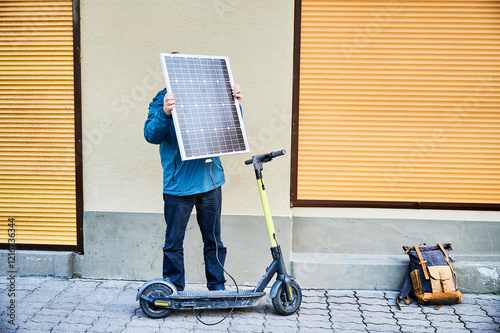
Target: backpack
<point x="430" y="278"/>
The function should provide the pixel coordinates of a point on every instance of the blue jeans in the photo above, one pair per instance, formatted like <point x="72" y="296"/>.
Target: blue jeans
<point x="177" y="211"/>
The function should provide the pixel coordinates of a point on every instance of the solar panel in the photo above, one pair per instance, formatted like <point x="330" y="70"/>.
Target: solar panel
<point x="207" y="117"/>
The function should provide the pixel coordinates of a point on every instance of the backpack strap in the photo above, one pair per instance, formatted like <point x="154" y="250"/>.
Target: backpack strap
<point x="407" y="301"/>
<point x="422" y="262"/>
<point x="404" y="294"/>
<point x="447" y="259"/>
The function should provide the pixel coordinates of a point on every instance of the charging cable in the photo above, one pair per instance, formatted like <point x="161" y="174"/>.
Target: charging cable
<point x="219" y="198"/>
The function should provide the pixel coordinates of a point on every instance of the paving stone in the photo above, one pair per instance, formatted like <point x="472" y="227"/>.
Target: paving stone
<point x="423" y="328"/>
<point x="8" y="329"/>
<point x="311" y="324"/>
<point x="451" y="330"/>
<point x="114" y="284"/>
<point x="348" y="326"/>
<point x="443" y="318"/>
<point x="391" y="294"/>
<point x="280" y="322"/>
<point x="379" y="320"/>
<point x="375" y="308"/>
<point x="370" y="294"/>
<point x="85" y="283"/>
<point x="491" y="309"/>
<point x="315" y="299"/>
<point x="354" y="317"/>
<point x="246" y="328"/>
<point x="176" y="324"/>
<point x="134" y="329"/>
<point x="343" y="307"/>
<point x="447" y="325"/>
<point x="38" y="326"/>
<point x="45" y="304"/>
<point x="221" y="327"/>
<point x="486" y="297"/>
<point x="89" y="306"/>
<point x="373" y="301"/>
<point x="235" y="322"/>
<point x="382" y="314"/>
<point x="275" y="329"/>
<point x="313" y="318"/>
<point x="312" y="305"/>
<point x="28" y="305"/>
<point x="444" y="310"/>
<point x="416" y="316"/>
<point x="386" y="328"/>
<point x="23" y="317"/>
<point x="81" y="317"/>
<point x="482" y="326"/>
<point x="480" y="318"/>
<point x="314" y="330"/>
<point x="73" y="328"/>
<point x="46" y="319"/>
<point x="313" y="293"/>
<point x="107" y="325"/>
<point x="496" y="319"/>
<point x="413" y="322"/>
<point x="342" y="300"/>
<point x="466" y="309"/>
<point x="340" y="293"/>
<point x="406" y="309"/>
<point x="314" y="311"/>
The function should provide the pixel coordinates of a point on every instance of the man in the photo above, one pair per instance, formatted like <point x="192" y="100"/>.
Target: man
<point x="187" y="184"/>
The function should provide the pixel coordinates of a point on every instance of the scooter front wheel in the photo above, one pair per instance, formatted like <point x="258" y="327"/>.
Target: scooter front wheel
<point x="154" y="291"/>
<point x="281" y="303"/>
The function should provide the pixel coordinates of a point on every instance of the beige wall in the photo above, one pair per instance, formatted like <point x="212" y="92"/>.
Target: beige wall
<point x="121" y="73"/>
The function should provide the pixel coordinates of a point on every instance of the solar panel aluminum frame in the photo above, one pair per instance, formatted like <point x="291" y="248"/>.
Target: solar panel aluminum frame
<point x="234" y="108"/>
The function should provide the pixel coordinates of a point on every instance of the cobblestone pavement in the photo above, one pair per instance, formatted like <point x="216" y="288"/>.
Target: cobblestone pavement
<point x="42" y="304"/>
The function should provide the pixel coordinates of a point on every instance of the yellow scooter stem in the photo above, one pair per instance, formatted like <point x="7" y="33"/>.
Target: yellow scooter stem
<point x="267" y="213"/>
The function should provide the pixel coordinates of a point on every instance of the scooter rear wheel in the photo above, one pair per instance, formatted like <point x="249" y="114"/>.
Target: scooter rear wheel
<point x="282" y="305"/>
<point x="153" y="291"/>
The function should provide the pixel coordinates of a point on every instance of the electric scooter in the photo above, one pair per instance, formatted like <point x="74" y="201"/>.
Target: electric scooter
<point x="159" y="297"/>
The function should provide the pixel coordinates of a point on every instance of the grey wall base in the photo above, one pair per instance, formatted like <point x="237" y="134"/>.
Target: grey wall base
<point x="331" y="253"/>
<point x="129" y="246"/>
<point x="386" y="272"/>
<point x="38" y="263"/>
<point x="367" y="253"/>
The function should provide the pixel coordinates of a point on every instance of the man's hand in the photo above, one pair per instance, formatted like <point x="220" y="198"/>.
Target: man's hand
<point x="168" y="103"/>
<point x="237" y="93"/>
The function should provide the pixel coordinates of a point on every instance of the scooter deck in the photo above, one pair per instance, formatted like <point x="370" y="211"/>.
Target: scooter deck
<point x="223" y="299"/>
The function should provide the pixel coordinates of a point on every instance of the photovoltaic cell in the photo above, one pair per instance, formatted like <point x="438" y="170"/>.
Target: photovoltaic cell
<point x="207" y="117"/>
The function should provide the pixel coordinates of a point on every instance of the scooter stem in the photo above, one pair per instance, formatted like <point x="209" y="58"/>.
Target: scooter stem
<point x="257" y="162"/>
<point x="267" y="213"/>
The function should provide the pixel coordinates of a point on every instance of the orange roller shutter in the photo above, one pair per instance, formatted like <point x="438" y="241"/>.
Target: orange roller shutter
<point x="37" y="125"/>
<point x="399" y="102"/>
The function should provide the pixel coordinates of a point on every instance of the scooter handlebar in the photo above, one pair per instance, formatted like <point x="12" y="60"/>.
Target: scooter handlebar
<point x="278" y="153"/>
<point x="266" y="157"/>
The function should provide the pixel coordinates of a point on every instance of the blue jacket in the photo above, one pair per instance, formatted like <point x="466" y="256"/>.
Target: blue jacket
<point x="179" y="177"/>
